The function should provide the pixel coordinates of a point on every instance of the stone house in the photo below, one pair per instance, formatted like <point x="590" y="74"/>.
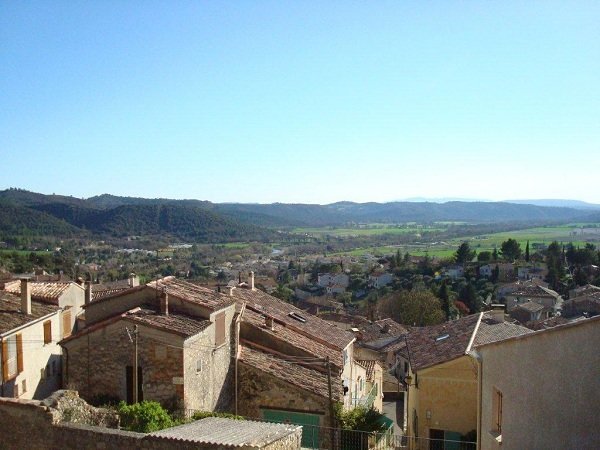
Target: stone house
<point x="330" y="279"/>
<point x="555" y="410"/>
<point x="30" y="329"/>
<point x="183" y="334"/>
<point x="441" y="376"/>
<point x="380" y="280"/>
<point x="530" y="311"/>
<point x="534" y="293"/>
<point x="583" y="305"/>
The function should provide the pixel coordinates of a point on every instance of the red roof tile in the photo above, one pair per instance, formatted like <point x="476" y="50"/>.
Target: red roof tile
<point x="11" y="316"/>
<point x="310" y="380"/>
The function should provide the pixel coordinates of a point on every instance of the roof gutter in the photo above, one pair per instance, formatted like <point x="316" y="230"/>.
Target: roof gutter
<point x="479" y="361"/>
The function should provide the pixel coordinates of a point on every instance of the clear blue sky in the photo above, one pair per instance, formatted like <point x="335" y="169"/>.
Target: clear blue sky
<point x="260" y="101"/>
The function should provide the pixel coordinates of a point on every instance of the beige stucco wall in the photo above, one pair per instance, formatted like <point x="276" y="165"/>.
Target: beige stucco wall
<point x="38" y="356"/>
<point x="449" y="392"/>
<point x="550" y="383"/>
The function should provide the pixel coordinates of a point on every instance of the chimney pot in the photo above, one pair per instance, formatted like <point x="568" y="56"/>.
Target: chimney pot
<point x="251" y="280"/>
<point x="25" y="296"/>
<point x="88" y="292"/>
<point x="498" y="312"/>
<point x="230" y="290"/>
<point x="269" y="323"/>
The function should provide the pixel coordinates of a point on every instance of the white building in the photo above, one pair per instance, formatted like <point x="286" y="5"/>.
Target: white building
<point x="330" y="279"/>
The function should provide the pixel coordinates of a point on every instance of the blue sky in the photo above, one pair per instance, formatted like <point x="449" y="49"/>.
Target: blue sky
<point x="311" y="102"/>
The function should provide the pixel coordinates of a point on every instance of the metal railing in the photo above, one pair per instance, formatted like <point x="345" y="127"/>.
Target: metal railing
<point x="368" y="399"/>
<point x="318" y="437"/>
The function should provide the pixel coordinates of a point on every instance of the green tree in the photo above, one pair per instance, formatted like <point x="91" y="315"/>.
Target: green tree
<point x="445" y="300"/>
<point x="527" y="251"/>
<point x="464" y="254"/>
<point x="554" y="263"/>
<point x="468" y="295"/>
<point x="510" y="250"/>
<point x="484" y="256"/>
<point x="495" y="254"/>
<point x="415" y="307"/>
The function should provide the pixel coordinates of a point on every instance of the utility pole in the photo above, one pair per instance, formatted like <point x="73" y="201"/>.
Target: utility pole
<point x="331" y="412"/>
<point x="135" y="364"/>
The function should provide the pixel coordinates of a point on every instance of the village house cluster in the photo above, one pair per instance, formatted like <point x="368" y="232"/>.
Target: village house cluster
<point x="482" y="378"/>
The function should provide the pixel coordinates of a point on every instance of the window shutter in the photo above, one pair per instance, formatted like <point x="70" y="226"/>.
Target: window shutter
<point x="220" y="329"/>
<point x="47" y="332"/>
<point x="19" y="353"/>
<point x="66" y="316"/>
<point x="4" y="360"/>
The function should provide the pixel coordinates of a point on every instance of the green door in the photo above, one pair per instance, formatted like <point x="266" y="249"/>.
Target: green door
<point x="310" y="424"/>
<point x="452" y="440"/>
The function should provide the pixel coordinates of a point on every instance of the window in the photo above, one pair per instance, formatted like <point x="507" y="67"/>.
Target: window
<point x="24" y="386"/>
<point x="66" y="322"/>
<point x="12" y="357"/>
<point x="47" y="332"/>
<point x="199" y="366"/>
<point x="220" y="329"/>
<point x="497" y="411"/>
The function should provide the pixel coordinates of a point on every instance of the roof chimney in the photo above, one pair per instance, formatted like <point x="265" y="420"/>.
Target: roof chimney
<point x="251" y="280"/>
<point x="269" y="323"/>
<point x="133" y="280"/>
<point x="25" y="296"/>
<point x="88" y="292"/>
<point x="164" y="303"/>
<point x="230" y="290"/>
<point x="498" y="312"/>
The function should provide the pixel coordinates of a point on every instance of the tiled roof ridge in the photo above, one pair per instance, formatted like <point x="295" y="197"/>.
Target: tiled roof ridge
<point x="283" y="356"/>
<point x="298" y="330"/>
<point x="475" y="330"/>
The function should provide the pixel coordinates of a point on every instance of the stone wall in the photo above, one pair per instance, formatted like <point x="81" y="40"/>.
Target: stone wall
<point x="95" y="364"/>
<point x="35" y="425"/>
<point x="260" y="390"/>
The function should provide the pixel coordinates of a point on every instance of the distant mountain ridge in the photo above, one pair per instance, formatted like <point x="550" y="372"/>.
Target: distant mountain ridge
<point x="204" y="221"/>
<point x="553" y="202"/>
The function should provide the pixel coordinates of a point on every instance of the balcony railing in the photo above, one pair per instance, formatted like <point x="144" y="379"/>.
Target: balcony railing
<point x="368" y="399"/>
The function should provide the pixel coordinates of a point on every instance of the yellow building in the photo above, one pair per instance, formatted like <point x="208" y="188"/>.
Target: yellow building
<point x="442" y="378"/>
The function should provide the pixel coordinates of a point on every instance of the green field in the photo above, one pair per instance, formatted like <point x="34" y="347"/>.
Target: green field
<point x="540" y="235"/>
<point x="371" y="230"/>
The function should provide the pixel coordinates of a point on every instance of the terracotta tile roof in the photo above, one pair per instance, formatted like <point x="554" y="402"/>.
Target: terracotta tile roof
<point x="534" y="291"/>
<point x="228" y="433"/>
<point x="109" y="288"/>
<point x="42" y="290"/>
<point x="492" y="331"/>
<point x="428" y="346"/>
<point x="311" y="326"/>
<point x="282" y="332"/>
<point x="369" y="365"/>
<point x="11" y="316"/>
<point x="290" y="372"/>
<point x="98" y="295"/>
<point x="193" y="293"/>
<point x="436" y="344"/>
<point x="380" y="329"/>
<point x="180" y="324"/>
<point x="530" y="306"/>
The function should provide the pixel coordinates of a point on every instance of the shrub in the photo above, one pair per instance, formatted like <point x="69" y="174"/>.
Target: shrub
<point x="360" y="419"/>
<point x="144" y="417"/>
<point x="204" y="414"/>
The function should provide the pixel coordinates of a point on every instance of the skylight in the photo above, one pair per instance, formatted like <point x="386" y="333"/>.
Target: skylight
<point x="442" y="337"/>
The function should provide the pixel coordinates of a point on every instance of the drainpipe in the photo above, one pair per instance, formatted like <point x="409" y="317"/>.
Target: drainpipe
<point x="479" y="361"/>
<point x="1" y="378"/>
<point x="238" y="319"/>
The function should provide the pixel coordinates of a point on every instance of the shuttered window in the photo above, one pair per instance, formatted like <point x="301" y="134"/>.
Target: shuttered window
<point x="12" y="357"/>
<point x="47" y="332"/>
<point x="220" y="329"/>
<point x="66" y="320"/>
